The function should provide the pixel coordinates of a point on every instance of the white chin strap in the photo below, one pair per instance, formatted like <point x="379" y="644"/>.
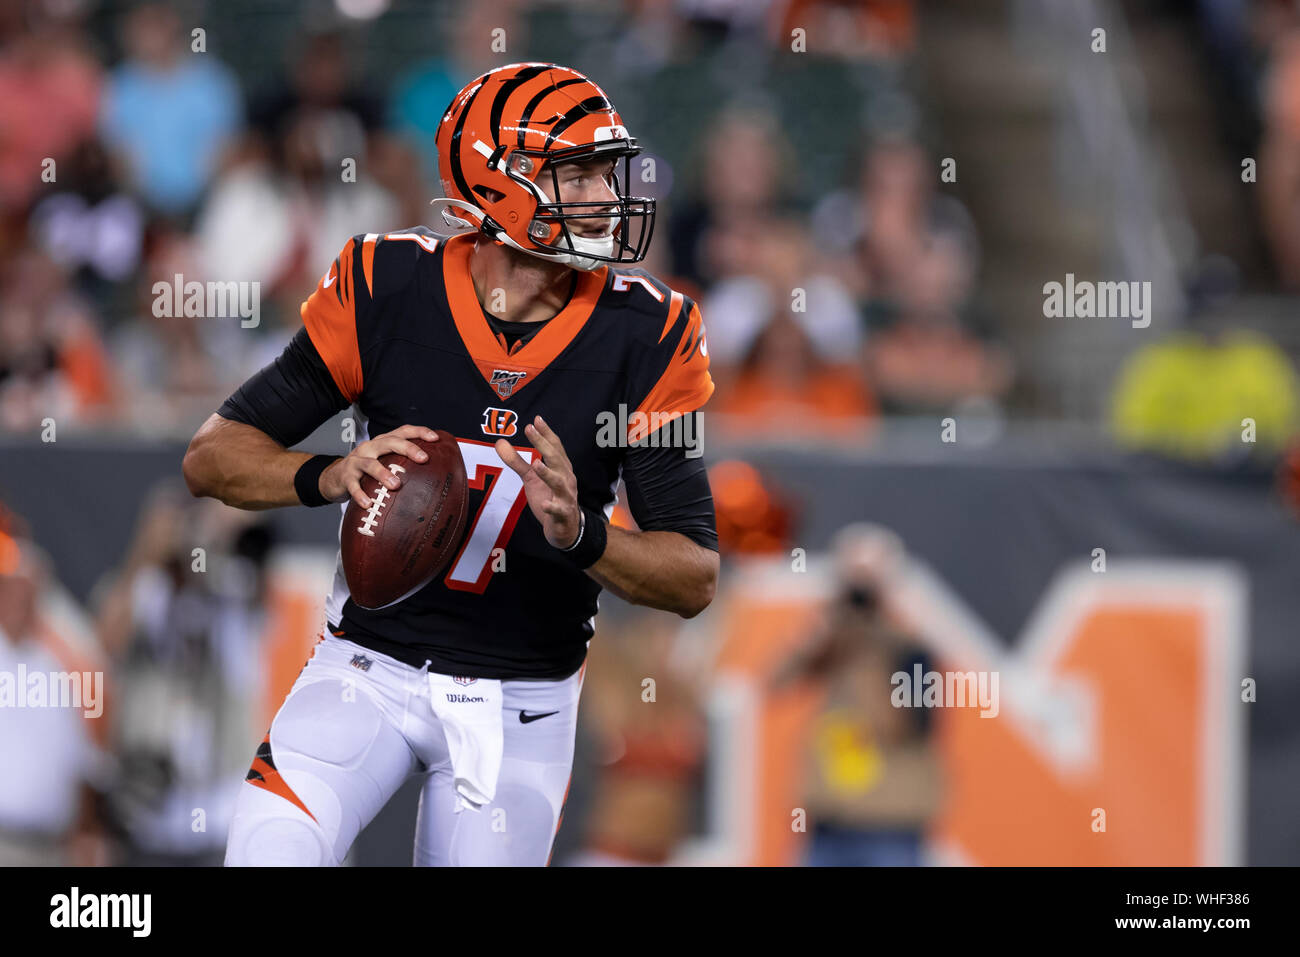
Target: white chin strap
<point x="603" y="246"/>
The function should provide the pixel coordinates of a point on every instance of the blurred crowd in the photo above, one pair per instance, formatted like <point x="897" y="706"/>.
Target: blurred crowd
<point x="132" y="151"/>
<point x="181" y="640"/>
<point x="174" y="638"/>
<point x="799" y="194"/>
<point x="125" y="161"/>
<point x="116" y="176"/>
<point x="1257" y="46"/>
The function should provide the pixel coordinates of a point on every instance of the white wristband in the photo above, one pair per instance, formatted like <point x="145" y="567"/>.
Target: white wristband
<point x="582" y="527"/>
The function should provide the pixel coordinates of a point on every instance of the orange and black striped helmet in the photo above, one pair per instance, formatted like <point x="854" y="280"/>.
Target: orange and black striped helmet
<point x="498" y="147"/>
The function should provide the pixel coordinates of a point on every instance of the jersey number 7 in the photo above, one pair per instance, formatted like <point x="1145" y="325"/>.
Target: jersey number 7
<point x="495" y="521"/>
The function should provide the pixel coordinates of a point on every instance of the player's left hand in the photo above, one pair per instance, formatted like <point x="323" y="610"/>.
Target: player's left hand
<point x="549" y="483"/>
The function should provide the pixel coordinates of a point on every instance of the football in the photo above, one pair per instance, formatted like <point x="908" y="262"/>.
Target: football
<point x="408" y="535"/>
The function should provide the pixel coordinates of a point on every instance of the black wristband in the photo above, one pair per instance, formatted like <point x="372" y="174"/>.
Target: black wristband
<point x="593" y="535"/>
<point x="306" y="481"/>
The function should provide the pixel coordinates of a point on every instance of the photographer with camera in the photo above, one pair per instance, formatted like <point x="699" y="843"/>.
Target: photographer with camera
<point x="872" y="777"/>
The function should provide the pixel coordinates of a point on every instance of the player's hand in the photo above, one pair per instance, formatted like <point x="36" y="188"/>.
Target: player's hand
<point x="549" y="483"/>
<point x="343" y="478"/>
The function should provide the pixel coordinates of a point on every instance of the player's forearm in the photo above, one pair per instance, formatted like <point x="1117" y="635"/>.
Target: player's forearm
<point x="241" y="466"/>
<point x="663" y="570"/>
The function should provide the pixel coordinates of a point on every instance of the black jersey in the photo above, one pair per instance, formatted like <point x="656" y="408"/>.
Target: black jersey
<point x="400" y="330"/>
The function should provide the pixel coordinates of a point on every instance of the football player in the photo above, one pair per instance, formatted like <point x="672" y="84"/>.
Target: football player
<point x="524" y="335"/>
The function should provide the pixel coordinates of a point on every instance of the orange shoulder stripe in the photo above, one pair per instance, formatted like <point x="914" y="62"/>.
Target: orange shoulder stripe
<point x="329" y="314"/>
<point x="684" y="386"/>
<point x="674" y="307"/>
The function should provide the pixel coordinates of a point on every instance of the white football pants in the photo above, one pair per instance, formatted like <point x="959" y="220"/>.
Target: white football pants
<point x="356" y="724"/>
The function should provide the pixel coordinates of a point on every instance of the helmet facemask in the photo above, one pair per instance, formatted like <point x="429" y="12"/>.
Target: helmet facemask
<point x="550" y="230"/>
<point x="629" y="220"/>
<point x="525" y="121"/>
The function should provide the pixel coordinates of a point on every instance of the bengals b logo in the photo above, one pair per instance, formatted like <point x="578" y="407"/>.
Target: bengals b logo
<point x="499" y="422"/>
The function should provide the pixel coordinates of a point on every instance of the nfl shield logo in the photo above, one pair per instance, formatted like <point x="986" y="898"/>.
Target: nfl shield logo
<point x="504" y="381"/>
<point x="463" y="681"/>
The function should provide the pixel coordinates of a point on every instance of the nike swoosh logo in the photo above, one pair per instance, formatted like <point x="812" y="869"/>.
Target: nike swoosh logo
<point x="329" y="281"/>
<point x="525" y="717"/>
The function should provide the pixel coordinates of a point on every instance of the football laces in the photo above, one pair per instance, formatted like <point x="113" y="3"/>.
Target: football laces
<point x="367" y="526"/>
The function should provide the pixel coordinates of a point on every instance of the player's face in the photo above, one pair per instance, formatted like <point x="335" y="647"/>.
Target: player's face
<point x="588" y="181"/>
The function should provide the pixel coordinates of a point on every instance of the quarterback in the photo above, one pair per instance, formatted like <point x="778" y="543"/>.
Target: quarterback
<point x="517" y="335"/>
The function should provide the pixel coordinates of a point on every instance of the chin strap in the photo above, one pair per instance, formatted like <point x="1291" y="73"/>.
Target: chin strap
<point x="481" y="222"/>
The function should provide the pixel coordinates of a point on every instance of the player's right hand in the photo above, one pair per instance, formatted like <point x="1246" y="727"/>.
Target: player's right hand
<point x="343" y="478"/>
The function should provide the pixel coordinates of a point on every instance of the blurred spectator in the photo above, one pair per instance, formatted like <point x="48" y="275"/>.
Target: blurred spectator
<point x="725" y="19"/>
<point x="1188" y="396"/>
<point x="922" y="364"/>
<point x="421" y="96"/>
<point x="172" y="369"/>
<point x="1225" y="27"/>
<point x="89" y="223"/>
<point x="784" y="342"/>
<point x="52" y="362"/>
<point x="923" y="356"/>
<point x="92" y="228"/>
<point x="1288" y="477"/>
<point x="652" y="747"/>
<point x="781" y="276"/>
<point x="873" y="776"/>
<point x="47" y="795"/>
<point x="1279" y="166"/>
<point x="280" y="213"/>
<point x="319" y="82"/>
<point x="889" y="219"/>
<point x="50" y="88"/>
<point x="323" y="116"/>
<point x="745" y="174"/>
<point x="650" y="39"/>
<point x="914" y="263"/>
<point x="169" y="110"/>
<point x="186" y="630"/>
<point x="854" y="29"/>
<point x="785" y="389"/>
<point x="754" y="517"/>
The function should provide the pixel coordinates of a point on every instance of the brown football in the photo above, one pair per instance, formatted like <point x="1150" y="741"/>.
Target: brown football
<point x="409" y="534"/>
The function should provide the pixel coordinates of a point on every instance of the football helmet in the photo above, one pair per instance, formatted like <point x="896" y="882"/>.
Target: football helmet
<point x="500" y="142"/>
